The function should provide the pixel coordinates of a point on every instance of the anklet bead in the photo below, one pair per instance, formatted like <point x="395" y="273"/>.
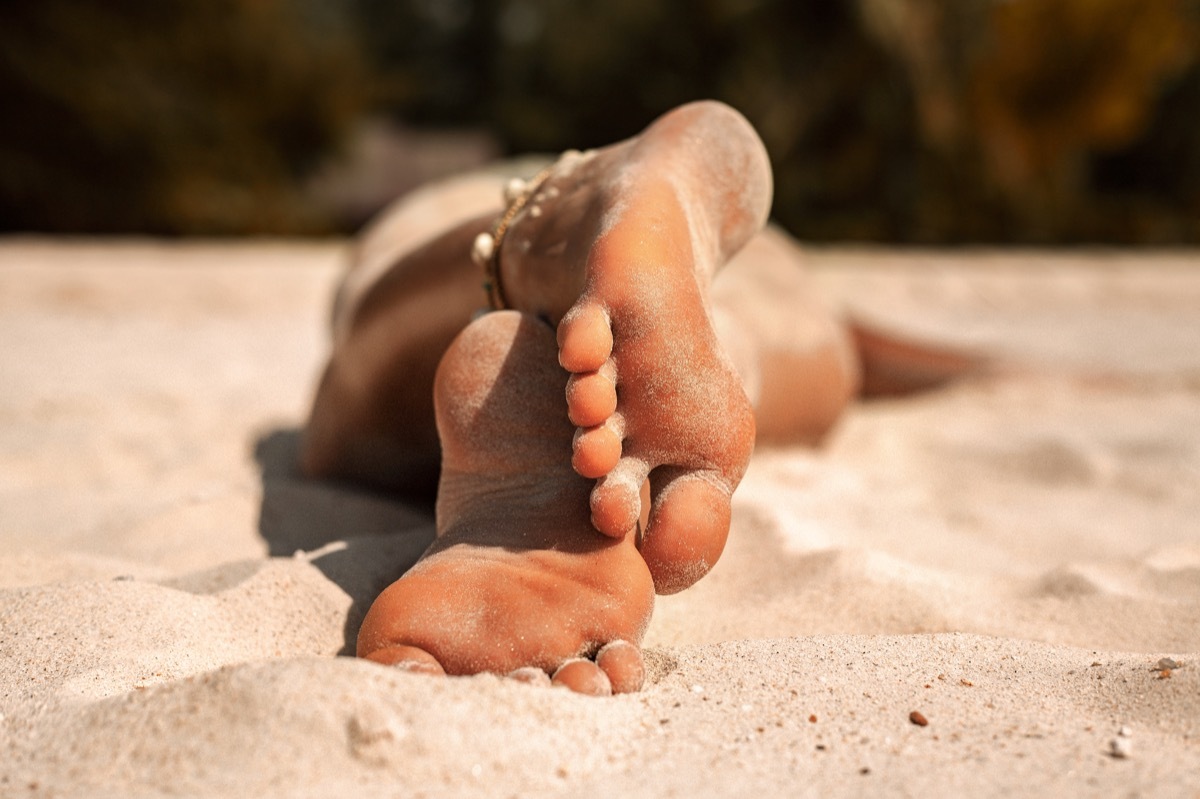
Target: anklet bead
<point x="485" y="250"/>
<point x="514" y="189"/>
<point x="482" y="249"/>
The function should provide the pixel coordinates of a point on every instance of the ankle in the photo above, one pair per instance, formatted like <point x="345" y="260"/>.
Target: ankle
<point x="527" y="254"/>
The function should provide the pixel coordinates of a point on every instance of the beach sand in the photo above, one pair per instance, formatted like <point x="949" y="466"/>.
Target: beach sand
<point x="1014" y="561"/>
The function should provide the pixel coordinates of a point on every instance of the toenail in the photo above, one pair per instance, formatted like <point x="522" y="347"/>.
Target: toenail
<point x="531" y="675"/>
<point x="406" y="658"/>
<point x="416" y="667"/>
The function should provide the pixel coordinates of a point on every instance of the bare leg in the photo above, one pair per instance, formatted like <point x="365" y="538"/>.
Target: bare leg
<point x="404" y="299"/>
<point x="797" y="359"/>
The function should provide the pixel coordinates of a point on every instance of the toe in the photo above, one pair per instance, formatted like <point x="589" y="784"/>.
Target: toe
<point x="596" y="451"/>
<point x="622" y="663"/>
<point x="591" y="398"/>
<point x="407" y="658"/>
<point x="583" y="677"/>
<point x="617" y="499"/>
<point x="688" y="525"/>
<point x="584" y="339"/>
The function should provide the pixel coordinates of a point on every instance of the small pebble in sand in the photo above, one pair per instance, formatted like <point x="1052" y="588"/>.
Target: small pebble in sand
<point x="1166" y="664"/>
<point x="1120" y="747"/>
<point x="918" y="718"/>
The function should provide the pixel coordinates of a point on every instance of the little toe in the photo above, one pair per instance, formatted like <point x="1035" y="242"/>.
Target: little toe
<point x="585" y="339"/>
<point x="583" y="677"/>
<point x="591" y="398"/>
<point x="687" y="529"/>
<point x="595" y="451"/>
<point x="407" y="658"/>
<point x="622" y="662"/>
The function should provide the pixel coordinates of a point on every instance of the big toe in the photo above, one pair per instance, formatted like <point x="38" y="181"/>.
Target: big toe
<point x="585" y="339"/>
<point x="687" y="529"/>
<point x="407" y="658"/>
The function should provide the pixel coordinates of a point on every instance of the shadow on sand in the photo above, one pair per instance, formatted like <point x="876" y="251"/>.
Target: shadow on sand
<point x="360" y="541"/>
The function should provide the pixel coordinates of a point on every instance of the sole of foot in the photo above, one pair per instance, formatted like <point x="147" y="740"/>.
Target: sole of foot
<point x="518" y="581"/>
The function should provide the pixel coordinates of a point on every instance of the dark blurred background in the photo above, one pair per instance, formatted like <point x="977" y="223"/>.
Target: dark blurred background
<point x="928" y="121"/>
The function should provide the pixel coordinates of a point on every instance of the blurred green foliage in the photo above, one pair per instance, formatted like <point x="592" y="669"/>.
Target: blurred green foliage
<point x="169" y="117"/>
<point x="887" y="120"/>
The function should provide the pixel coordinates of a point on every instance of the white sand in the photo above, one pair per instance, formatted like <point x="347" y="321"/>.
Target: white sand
<point x="1011" y="558"/>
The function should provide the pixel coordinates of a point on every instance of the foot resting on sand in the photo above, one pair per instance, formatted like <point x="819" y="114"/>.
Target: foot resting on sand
<point x="518" y="580"/>
<point x="610" y="258"/>
<point x="618" y="247"/>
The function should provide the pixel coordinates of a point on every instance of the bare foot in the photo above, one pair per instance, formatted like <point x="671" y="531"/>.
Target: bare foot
<point x="518" y="581"/>
<point x="621" y="246"/>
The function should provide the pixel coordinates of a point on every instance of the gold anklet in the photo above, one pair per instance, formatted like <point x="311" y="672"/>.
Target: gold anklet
<point x="485" y="251"/>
